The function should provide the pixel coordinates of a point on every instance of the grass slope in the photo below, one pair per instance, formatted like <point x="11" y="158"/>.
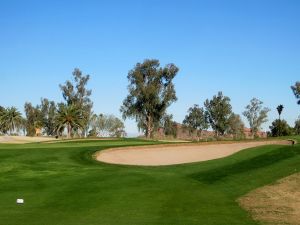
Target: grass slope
<point x="63" y="185"/>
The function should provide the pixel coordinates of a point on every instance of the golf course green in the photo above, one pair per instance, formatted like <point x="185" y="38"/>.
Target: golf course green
<point x="62" y="184"/>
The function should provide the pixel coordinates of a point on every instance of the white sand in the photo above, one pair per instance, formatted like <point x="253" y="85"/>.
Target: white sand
<point x="160" y="155"/>
<point x="23" y="139"/>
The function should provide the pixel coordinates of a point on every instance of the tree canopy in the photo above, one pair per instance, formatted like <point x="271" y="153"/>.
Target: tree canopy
<point x="256" y="115"/>
<point x="76" y="94"/>
<point x="297" y="126"/>
<point x="236" y="126"/>
<point x="11" y="120"/>
<point x="107" y="126"/>
<point x="3" y="125"/>
<point x="41" y="116"/>
<point x="48" y="114"/>
<point x="70" y="117"/>
<point x="296" y="91"/>
<point x="196" y="120"/>
<point x="279" y="110"/>
<point x="218" y="110"/>
<point x="280" y="128"/>
<point x="151" y="92"/>
<point x="169" y="125"/>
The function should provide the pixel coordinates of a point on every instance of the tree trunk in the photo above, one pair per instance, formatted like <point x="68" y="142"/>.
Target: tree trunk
<point x="217" y="134"/>
<point x="279" y="128"/>
<point x="149" y="131"/>
<point x="200" y="135"/>
<point x="149" y="128"/>
<point x="69" y="131"/>
<point x="148" y="134"/>
<point x="252" y="133"/>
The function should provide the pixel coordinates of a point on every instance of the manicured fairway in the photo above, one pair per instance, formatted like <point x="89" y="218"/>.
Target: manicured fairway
<point x="63" y="185"/>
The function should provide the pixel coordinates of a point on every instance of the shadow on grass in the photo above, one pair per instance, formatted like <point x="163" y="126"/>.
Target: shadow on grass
<point x="244" y="166"/>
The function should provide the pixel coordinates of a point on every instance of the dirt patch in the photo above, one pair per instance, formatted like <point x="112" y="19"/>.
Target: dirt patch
<point x="159" y="155"/>
<point x="275" y="204"/>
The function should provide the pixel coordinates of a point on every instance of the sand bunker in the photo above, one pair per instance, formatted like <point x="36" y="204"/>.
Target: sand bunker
<point x="160" y="155"/>
<point x="22" y="139"/>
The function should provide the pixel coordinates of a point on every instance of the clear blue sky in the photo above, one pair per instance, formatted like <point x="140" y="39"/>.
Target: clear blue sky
<point x="245" y="48"/>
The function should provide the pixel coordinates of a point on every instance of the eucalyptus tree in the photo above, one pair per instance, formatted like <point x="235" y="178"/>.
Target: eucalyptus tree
<point x="169" y="125"/>
<point x="196" y="120"/>
<point x="76" y="94"/>
<point x="218" y="111"/>
<point x="41" y="116"/>
<point x="48" y="112"/>
<point x="256" y="115"/>
<point x="69" y="117"/>
<point x="116" y="127"/>
<point x="296" y="91"/>
<point x="107" y="126"/>
<point x="236" y="126"/>
<point x="34" y="118"/>
<point x="151" y="92"/>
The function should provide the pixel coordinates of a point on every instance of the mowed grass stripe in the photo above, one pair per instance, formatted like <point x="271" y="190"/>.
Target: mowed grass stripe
<point x="62" y="184"/>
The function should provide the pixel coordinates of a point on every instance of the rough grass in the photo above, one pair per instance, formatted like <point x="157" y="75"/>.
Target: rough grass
<point x="275" y="204"/>
<point x="62" y="185"/>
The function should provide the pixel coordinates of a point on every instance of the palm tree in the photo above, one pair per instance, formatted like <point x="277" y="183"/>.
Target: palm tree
<point x="69" y="116"/>
<point x="279" y="110"/>
<point x="11" y="119"/>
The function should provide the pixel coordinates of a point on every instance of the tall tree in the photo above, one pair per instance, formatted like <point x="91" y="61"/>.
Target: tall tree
<point x="279" y="110"/>
<point x="169" y="125"/>
<point x="48" y="112"/>
<point x="40" y="117"/>
<point x="34" y="118"/>
<point x="151" y="92"/>
<point x="196" y="120"/>
<point x="236" y="126"/>
<point x="296" y="91"/>
<point x="70" y="117"/>
<point x="76" y="94"/>
<point x="218" y="111"/>
<point x="256" y="115"/>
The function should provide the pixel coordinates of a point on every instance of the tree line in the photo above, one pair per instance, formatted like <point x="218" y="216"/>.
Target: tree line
<point x="217" y="114"/>
<point x="74" y="115"/>
<point x="151" y="91"/>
